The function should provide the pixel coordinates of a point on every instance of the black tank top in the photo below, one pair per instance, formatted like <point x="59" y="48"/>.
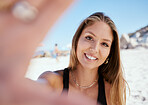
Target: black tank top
<point x="101" y="89"/>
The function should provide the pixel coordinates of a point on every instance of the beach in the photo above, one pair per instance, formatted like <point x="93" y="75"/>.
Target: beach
<point x="135" y="65"/>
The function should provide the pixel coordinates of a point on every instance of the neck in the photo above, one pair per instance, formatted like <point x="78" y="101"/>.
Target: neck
<point x="85" y="76"/>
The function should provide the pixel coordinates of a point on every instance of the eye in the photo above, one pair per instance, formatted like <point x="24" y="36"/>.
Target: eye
<point x="88" y="38"/>
<point x="105" y="44"/>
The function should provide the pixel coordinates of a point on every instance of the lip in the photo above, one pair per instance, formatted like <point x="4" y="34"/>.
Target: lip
<point x="91" y="56"/>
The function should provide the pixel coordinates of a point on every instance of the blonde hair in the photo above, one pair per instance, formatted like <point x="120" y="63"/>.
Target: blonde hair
<point x="113" y="71"/>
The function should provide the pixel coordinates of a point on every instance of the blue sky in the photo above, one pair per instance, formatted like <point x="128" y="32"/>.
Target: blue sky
<point x="128" y="15"/>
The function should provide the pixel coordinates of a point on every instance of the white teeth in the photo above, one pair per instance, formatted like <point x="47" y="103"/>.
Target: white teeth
<point x="90" y="57"/>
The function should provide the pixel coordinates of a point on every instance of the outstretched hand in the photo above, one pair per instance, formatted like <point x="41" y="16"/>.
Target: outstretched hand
<point x="18" y="41"/>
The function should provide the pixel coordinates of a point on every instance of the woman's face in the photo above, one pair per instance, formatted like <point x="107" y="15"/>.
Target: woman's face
<point x="94" y="45"/>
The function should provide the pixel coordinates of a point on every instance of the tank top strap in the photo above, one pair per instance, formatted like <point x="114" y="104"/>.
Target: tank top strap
<point x="101" y="91"/>
<point x="101" y="88"/>
<point x="66" y="79"/>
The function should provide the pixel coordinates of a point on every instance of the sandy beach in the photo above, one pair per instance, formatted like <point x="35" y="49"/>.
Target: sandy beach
<point x="135" y="65"/>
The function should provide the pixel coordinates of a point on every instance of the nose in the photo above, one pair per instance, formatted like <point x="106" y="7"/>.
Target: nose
<point x="94" y="48"/>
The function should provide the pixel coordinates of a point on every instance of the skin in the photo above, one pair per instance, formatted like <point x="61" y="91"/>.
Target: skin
<point x="18" y="41"/>
<point x="94" y="41"/>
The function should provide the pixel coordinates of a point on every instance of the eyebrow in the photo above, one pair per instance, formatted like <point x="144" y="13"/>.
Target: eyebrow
<point x="107" y="40"/>
<point x="91" y="33"/>
<point x="95" y="36"/>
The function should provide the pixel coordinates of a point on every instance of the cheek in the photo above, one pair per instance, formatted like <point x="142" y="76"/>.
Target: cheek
<point x="81" y="48"/>
<point x="105" y="53"/>
<point x="82" y="45"/>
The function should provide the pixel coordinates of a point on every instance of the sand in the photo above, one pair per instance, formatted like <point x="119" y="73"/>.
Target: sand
<point x="135" y="63"/>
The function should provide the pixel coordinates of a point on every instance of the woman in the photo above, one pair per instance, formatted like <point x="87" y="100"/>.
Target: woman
<point x="95" y="68"/>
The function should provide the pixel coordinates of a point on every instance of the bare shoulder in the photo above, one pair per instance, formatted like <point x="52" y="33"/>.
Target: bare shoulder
<point x="107" y="91"/>
<point x="107" y="85"/>
<point x="54" y="79"/>
<point x="49" y="74"/>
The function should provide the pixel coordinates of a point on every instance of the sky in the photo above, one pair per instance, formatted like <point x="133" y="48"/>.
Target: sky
<point x="128" y="16"/>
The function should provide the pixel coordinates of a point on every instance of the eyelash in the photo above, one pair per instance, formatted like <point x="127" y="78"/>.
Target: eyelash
<point x="88" y="38"/>
<point x="104" y="44"/>
<point x="91" y="39"/>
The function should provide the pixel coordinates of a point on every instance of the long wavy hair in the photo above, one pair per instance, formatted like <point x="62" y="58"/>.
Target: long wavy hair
<point x="113" y="71"/>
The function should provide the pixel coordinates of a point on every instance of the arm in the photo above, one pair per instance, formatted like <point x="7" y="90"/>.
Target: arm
<point x="18" y="41"/>
<point x="54" y="80"/>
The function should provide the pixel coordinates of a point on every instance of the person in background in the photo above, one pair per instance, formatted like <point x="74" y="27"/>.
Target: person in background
<point x="56" y="51"/>
<point x="95" y="68"/>
<point x="23" y="25"/>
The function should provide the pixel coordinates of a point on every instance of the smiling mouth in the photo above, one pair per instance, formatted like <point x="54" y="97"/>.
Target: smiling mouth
<point x="90" y="57"/>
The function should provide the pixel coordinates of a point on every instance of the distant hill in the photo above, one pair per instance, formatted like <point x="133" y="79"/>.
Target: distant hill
<point x="136" y="39"/>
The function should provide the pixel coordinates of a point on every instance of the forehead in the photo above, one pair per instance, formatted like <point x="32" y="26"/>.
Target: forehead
<point x="99" y="29"/>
